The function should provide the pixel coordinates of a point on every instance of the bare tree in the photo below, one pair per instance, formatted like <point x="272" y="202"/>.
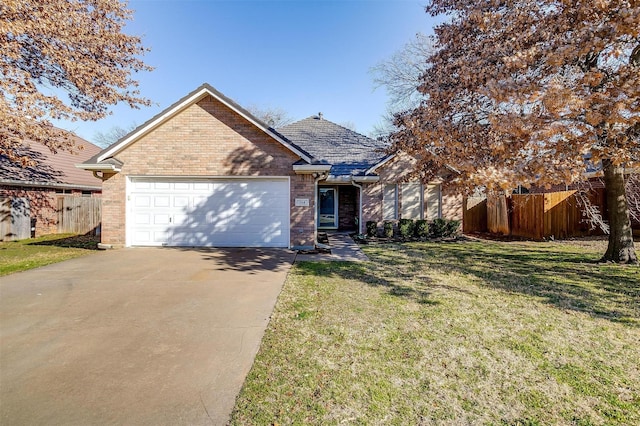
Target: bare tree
<point x="104" y="139"/>
<point x="63" y="60"/>
<point x="274" y="117"/>
<point x="348" y="125"/>
<point x="400" y="75"/>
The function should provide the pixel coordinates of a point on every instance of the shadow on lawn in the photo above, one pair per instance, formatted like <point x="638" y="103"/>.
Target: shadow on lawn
<point x="561" y="275"/>
<point x="404" y="282"/>
<point x="88" y="242"/>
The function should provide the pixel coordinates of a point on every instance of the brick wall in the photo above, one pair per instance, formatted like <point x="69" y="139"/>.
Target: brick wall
<point x="207" y="139"/>
<point x="451" y="205"/>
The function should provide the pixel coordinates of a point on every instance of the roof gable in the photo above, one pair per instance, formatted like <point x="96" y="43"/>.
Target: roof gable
<point x="192" y="98"/>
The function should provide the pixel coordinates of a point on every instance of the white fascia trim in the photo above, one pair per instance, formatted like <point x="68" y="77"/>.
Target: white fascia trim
<point x="99" y="167"/>
<point x="303" y="169"/>
<point x="337" y="179"/>
<point x="380" y="164"/>
<point x="191" y="100"/>
<point x="174" y="178"/>
<point x="349" y="179"/>
<point x="366" y="179"/>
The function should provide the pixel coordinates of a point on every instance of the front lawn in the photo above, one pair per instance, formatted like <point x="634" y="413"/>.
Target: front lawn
<point x="21" y="255"/>
<point x="452" y="333"/>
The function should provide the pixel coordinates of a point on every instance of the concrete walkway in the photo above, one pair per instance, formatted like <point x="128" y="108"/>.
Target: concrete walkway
<point x="343" y="249"/>
<point x="138" y="336"/>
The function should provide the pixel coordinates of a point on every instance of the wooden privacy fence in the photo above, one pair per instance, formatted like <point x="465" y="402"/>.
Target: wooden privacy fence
<point x="534" y="216"/>
<point x="79" y="215"/>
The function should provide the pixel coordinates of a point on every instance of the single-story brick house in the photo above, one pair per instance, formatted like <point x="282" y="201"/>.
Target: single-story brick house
<point x="206" y="172"/>
<point x="31" y="192"/>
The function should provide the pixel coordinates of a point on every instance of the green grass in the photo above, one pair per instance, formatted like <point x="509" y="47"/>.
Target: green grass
<point x="21" y="255"/>
<point x="452" y="333"/>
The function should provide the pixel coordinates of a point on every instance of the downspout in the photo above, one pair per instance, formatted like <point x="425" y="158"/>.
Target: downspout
<point x="353" y="182"/>
<point x="320" y="177"/>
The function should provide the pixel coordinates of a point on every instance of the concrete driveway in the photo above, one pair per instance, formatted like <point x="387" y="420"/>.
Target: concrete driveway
<point x="135" y="336"/>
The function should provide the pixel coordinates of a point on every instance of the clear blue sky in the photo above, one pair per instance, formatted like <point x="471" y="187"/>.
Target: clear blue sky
<point x="302" y="56"/>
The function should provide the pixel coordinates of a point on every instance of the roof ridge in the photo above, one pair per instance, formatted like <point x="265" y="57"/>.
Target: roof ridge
<point x="315" y="117"/>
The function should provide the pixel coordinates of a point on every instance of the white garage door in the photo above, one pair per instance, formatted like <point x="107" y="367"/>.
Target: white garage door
<point x="211" y="213"/>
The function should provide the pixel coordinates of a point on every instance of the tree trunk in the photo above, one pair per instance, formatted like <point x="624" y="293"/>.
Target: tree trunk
<point x="621" y="248"/>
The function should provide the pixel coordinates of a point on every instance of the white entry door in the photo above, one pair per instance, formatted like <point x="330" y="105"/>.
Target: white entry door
<point x="209" y="213"/>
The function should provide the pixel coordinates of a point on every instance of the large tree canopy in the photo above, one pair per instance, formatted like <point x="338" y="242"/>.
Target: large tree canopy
<point x="519" y="92"/>
<point x="62" y="60"/>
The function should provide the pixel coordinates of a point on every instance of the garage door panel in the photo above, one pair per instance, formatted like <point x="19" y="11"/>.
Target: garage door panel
<point x="142" y="201"/>
<point x="161" y="185"/>
<point x="141" y="185"/>
<point x="160" y="236"/>
<point x="143" y="236"/>
<point x="142" y="219"/>
<point x="226" y="213"/>
<point x="181" y="201"/>
<point x="161" y="201"/>
<point x="161" y="219"/>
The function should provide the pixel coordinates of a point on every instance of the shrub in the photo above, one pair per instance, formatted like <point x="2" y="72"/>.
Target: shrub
<point x="421" y="229"/>
<point x="453" y="227"/>
<point x="442" y="228"/>
<point x="372" y="228"/>
<point x="405" y="228"/>
<point x="388" y="229"/>
<point x="438" y="228"/>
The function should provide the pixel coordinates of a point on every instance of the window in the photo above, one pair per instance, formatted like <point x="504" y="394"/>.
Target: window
<point x="86" y="193"/>
<point x="412" y="205"/>
<point x="433" y="200"/>
<point x="390" y="202"/>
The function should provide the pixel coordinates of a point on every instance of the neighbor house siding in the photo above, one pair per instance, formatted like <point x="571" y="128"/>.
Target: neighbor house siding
<point x="207" y="139"/>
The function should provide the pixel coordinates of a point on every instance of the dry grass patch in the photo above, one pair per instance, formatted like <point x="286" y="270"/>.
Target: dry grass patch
<point x="463" y="333"/>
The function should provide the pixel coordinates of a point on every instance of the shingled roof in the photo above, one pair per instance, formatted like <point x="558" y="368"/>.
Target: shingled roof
<point x="51" y="170"/>
<point x="349" y="152"/>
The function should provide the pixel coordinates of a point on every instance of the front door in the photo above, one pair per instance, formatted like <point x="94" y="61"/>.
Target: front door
<point x="328" y="208"/>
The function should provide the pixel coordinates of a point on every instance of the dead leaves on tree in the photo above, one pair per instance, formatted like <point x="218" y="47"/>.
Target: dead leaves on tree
<point x="517" y="93"/>
<point x="65" y="60"/>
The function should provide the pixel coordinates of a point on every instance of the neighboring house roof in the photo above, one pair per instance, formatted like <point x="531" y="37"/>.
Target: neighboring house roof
<point x="106" y="156"/>
<point x="51" y="170"/>
<point x="349" y="152"/>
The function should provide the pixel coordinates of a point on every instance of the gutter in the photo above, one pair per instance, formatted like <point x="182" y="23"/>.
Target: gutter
<point x="54" y="185"/>
<point x="99" y="167"/>
<point x="96" y="169"/>
<point x="309" y="169"/>
<point x="366" y="179"/>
